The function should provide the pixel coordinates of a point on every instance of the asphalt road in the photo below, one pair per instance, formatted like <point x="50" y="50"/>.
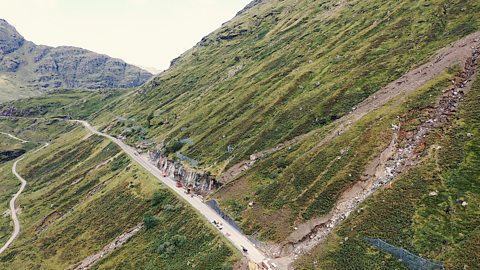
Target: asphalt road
<point x="235" y="237"/>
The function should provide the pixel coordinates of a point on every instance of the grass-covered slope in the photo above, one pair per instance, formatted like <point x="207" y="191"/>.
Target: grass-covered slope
<point x="26" y="129"/>
<point x="422" y="211"/>
<point x="283" y="68"/>
<point x="83" y="192"/>
<point x="303" y="181"/>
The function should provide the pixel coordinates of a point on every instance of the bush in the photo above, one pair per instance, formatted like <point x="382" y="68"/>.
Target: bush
<point x="173" y="147"/>
<point x="150" y="221"/>
<point x="158" y="197"/>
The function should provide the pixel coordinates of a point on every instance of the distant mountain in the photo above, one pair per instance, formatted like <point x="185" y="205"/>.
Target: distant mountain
<point x="27" y="68"/>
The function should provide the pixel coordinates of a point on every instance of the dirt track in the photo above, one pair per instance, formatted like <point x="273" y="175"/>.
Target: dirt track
<point x="88" y="262"/>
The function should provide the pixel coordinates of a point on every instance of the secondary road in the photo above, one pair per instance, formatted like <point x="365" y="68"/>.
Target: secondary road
<point x="13" y="210"/>
<point x="13" y="137"/>
<point x="237" y="238"/>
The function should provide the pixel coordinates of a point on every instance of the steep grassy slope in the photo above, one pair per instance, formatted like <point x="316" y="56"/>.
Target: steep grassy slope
<point x="283" y="68"/>
<point x="9" y="184"/>
<point x="34" y="130"/>
<point x="422" y="212"/>
<point x="304" y="182"/>
<point x="278" y="70"/>
<point x="83" y="192"/>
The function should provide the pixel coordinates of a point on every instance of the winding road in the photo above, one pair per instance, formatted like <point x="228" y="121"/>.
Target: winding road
<point x="235" y="237"/>
<point x="13" y="210"/>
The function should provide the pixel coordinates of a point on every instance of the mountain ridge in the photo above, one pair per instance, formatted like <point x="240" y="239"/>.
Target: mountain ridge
<point x="27" y="68"/>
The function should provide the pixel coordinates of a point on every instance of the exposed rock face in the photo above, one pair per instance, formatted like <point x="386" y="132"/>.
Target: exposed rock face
<point x="30" y="66"/>
<point x="198" y="182"/>
<point x="10" y="39"/>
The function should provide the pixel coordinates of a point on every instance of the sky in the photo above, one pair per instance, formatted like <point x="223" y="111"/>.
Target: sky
<point x="146" y="33"/>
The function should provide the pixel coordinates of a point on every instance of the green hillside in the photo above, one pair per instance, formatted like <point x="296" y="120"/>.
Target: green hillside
<point x="7" y="188"/>
<point x="433" y="225"/>
<point x="303" y="181"/>
<point x="26" y="129"/>
<point x="284" y="68"/>
<point x="83" y="192"/>
<point x="310" y="74"/>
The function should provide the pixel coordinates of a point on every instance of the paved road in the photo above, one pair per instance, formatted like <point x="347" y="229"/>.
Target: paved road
<point x="236" y="237"/>
<point x="13" y="210"/>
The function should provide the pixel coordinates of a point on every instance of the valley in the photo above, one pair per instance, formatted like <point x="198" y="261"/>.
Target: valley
<point x="298" y="135"/>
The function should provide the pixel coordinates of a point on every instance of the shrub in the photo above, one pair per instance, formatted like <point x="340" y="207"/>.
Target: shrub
<point x="150" y="221"/>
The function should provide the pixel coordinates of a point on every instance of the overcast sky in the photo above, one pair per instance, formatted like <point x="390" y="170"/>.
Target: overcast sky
<point x="148" y="33"/>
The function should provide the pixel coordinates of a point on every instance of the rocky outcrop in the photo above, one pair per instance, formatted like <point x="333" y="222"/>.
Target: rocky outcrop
<point x="198" y="182"/>
<point x="31" y="66"/>
<point x="10" y="39"/>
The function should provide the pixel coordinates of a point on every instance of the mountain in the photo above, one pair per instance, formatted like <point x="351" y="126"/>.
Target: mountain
<point x="27" y="68"/>
<point x="335" y="134"/>
<point x="280" y="69"/>
<point x="294" y="105"/>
